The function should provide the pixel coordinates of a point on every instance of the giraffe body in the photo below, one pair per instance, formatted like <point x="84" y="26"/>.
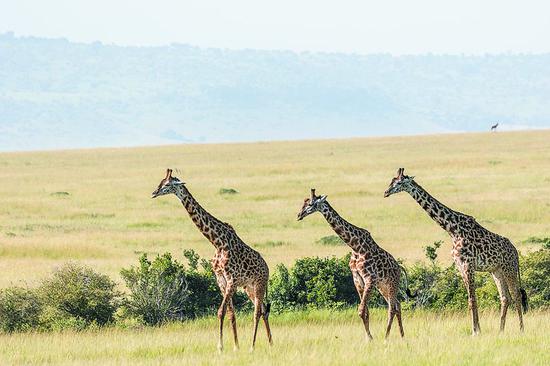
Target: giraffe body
<point x="474" y="249"/>
<point x="235" y="264"/>
<point x="371" y="266"/>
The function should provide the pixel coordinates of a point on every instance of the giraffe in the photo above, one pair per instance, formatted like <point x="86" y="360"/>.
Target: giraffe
<point x="371" y="266"/>
<point x="235" y="264"/>
<point x="474" y="249"/>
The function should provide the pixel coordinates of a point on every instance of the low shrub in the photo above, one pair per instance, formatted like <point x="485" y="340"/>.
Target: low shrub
<point x="164" y="289"/>
<point x="77" y="291"/>
<point x="20" y="309"/>
<point x="158" y="289"/>
<point x="313" y="282"/>
<point x="535" y="277"/>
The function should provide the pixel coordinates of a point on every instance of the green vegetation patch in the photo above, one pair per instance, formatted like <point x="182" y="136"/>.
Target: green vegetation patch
<point x="228" y="191"/>
<point x="60" y="194"/>
<point x="330" y="240"/>
<point x="545" y="242"/>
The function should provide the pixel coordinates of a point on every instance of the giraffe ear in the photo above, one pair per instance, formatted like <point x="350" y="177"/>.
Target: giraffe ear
<point x="323" y="198"/>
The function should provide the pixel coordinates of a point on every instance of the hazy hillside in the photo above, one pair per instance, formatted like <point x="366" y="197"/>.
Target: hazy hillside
<point x="54" y="93"/>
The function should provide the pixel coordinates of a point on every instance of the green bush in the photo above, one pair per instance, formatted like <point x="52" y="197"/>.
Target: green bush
<point x="314" y="282"/>
<point x="535" y="277"/>
<point x="163" y="289"/>
<point x="77" y="291"/>
<point x="53" y="319"/>
<point x="158" y="289"/>
<point x="19" y="309"/>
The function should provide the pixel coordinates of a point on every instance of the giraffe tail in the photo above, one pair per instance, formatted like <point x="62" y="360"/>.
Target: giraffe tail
<point x="524" y="302"/>
<point x="407" y="290"/>
<point x="267" y="305"/>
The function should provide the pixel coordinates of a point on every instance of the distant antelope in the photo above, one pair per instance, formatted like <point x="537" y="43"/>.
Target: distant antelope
<point x="494" y="127"/>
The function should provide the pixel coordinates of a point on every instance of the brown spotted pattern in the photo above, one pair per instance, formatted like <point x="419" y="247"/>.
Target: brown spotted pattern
<point x="474" y="249"/>
<point x="371" y="266"/>
<point x="235" y="263"/>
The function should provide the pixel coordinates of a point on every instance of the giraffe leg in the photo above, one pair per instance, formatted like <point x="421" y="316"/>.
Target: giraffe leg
<point x="391" y="314"/>
<point x="267" y="329"/>
<point x="229" y="291"/>
<point x="513" y="286"/>
<point x="363" y="309"/>
<point x="399" y="320"/>
<point x="233" y="319"/>
<point x="257" y="297"/>
<point x="502" y="287"/>
<point x="468" y="278"/>
<point x="257" y="315"/>
<point x="394" y="308"/>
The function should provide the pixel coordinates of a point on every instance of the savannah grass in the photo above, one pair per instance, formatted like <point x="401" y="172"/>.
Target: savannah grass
<point x="94" y="207"/>
<point x="320" y="337"/>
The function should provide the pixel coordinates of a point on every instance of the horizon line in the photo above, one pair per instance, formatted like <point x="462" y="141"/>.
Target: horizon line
<point x="13" y="35"/>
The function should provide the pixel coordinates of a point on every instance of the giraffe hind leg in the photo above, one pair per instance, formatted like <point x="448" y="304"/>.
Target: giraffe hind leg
<point x="504" y="293"/>
<point x="399" y="320"/>
<point x="394" y="309"/>
<point x="256" y="295"/>
<point x="513" y="286"/>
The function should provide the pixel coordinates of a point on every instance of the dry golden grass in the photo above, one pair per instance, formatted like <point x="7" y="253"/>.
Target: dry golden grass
<point x="315" y="338"/>
<point x="108" y="218"/>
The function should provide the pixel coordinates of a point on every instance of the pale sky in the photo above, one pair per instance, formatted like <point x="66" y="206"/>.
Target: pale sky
<point x="389" y="26"/>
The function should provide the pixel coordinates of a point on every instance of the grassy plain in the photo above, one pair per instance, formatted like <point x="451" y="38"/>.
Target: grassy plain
<point x="94" y="206"/>
<point x="316" y="338"/>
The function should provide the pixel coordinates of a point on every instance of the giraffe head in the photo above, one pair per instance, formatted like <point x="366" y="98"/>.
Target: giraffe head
<point x="400" y="183"/>
<point x="311" y="205"/>
<point x="167" y="185"/>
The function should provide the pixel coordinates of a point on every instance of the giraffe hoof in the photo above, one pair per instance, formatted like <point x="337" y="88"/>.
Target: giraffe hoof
<point x="220" y="348"/>
<point x="251" y="349"/>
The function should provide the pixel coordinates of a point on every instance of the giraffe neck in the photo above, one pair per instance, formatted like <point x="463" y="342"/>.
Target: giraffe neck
<point x="446" y="218"/>
<point x="212" y="228"/>
<point x="358" y="239"/>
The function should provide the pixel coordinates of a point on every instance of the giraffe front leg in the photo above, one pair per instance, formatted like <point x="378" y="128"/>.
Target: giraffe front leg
<point x="363" y="309"/>
<point x="229" y="291"/>
<point x="469" y="281"/>
<point x="233" y="320"/>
